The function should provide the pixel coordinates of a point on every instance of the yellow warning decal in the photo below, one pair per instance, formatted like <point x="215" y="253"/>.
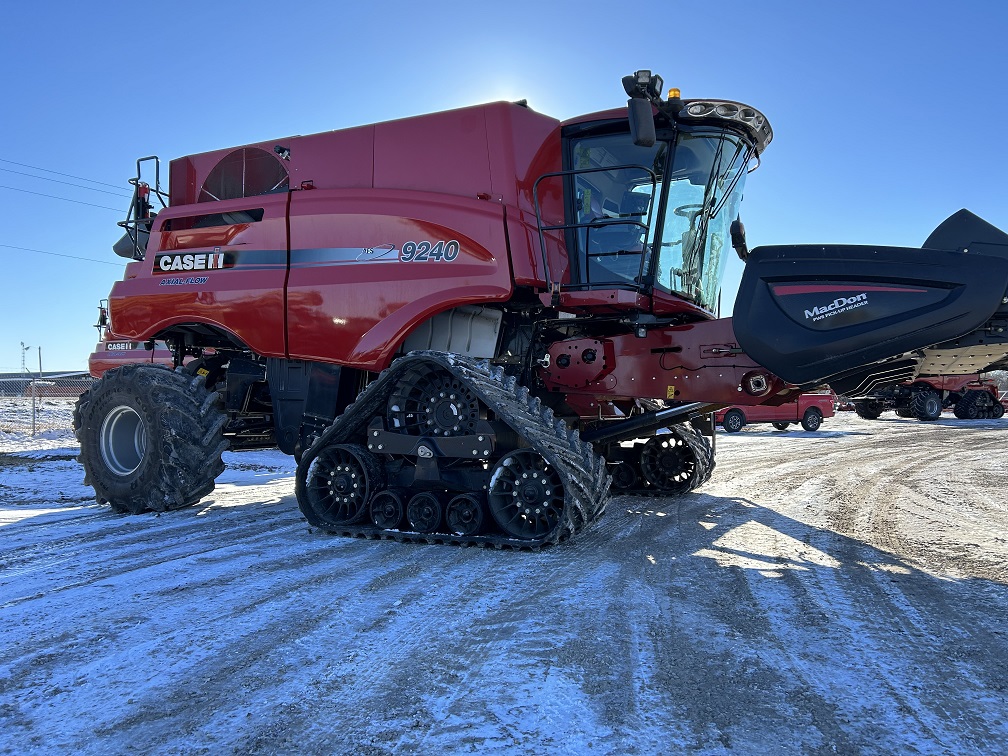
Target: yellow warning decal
<point x="671" y="392"/>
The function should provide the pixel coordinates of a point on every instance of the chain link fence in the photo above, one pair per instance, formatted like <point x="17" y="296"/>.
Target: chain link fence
<point x="32" y="405"/>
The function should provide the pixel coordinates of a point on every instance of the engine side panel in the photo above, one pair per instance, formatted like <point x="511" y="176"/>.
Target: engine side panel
<point x="367" y="268"/>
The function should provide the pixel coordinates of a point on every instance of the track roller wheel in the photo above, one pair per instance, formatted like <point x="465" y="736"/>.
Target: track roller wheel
<point x="424" y="512"/>
<point x="526" y="495"/>
<point x="625" y="476"/>
<point x="999" y="410"/>
<point x="340" y="482"/>
<point x="465" y="515"/>
<point x="388" y="508"/>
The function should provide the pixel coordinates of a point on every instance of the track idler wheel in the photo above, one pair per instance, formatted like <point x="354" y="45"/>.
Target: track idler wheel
<point x="388" y="508"/>
<point x="670" y="464"/>
<point x="425" y="512"/>
<point x="526" y="495"/>
<point x="340" y="483"/>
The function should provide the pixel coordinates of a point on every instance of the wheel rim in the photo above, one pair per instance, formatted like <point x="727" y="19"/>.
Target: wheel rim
<point x="932" y="407"/>
<point x="387" y="509"/>
<point x="668" y="463"/>
<point x="123" y="441"/>
<point x="465" y="515"/>
<point x="624" y="476"/>
<point x="340" y="483"/>
<point x="424" y="512"/>
<point x="526" y="495"/>
<point x="433" y="402"/>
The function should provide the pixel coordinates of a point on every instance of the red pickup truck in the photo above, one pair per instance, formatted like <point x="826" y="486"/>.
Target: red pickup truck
<point x="808" y="409"/>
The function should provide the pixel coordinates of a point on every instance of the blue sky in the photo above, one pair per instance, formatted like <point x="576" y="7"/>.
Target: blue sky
<point x="887" y="116"/>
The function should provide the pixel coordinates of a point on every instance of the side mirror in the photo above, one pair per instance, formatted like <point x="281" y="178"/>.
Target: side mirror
<point x="642" y="126"/>
<point x="738" y="241"/>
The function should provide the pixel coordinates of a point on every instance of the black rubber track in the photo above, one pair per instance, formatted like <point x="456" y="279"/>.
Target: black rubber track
<point x="583" y="472"/>
<point x="702" y="451"/>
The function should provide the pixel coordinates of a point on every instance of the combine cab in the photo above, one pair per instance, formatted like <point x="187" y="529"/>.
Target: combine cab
<point x="464" y="325"/>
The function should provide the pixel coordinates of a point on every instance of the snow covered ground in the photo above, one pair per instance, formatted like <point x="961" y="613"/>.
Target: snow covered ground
<point x="844" y="591"/>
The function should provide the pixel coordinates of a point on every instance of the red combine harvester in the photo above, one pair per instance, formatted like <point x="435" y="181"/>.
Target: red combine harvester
<point x="465" y="324"/>
<point x="969" y="396"/>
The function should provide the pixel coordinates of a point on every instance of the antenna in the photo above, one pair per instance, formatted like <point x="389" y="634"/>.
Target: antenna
<point x="24" y="351"/>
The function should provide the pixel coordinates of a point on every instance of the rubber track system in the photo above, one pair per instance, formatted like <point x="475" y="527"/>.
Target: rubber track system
<point x="583" y="472"/>
<point x="704" y="455"/>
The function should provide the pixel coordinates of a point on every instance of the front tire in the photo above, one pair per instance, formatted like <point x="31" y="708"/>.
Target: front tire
<point x="151" y="438"/>
<point x="926" y="405"/>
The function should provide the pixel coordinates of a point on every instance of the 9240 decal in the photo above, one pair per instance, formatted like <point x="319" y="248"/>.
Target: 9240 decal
<point x="425" y="251"/>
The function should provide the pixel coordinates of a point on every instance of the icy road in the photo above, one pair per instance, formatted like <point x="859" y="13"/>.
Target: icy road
<point x="838" y="592"/>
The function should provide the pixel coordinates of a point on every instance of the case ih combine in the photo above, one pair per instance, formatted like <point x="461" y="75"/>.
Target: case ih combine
<point x="970" y="397"/>
<point x="465" y="324"/>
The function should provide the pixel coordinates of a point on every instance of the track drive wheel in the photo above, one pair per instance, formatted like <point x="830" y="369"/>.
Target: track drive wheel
<point x="428" y="401"/>
<point x="339" y="486"/>
<point x="151" y="438"/>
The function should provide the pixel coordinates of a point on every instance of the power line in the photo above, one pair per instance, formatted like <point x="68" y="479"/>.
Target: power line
<point x="67" y="175"/>
<point x="63" y="199"/>
<point x="79" y="186"/>
<point x="58" y="254"/>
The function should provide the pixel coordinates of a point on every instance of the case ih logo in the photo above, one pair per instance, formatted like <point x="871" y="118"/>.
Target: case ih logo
<point x="171" y="262"/>
<point x="838" y="305"/>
